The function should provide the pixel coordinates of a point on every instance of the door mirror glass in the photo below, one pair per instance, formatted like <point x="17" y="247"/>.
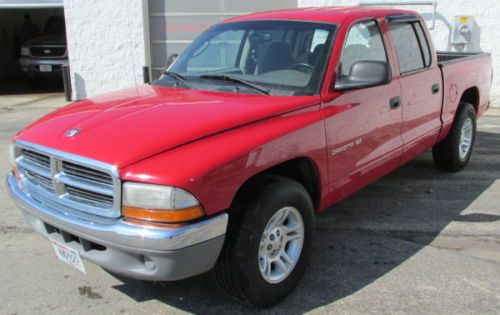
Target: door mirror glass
<point x="363" y="74"/>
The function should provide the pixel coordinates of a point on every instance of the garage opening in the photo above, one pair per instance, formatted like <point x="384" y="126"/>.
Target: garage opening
<point x="33" y="46"/>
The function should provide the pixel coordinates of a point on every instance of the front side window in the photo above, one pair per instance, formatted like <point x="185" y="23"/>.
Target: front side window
<point x="412" y="49"/>
<point x="282" y="57"/>
<point x="363" y="43"/>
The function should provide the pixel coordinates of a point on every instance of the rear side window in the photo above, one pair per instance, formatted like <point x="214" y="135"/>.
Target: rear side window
<point x="412" y="48"/>
<point x="423" y="44"/>
<point x="363" y="43"/>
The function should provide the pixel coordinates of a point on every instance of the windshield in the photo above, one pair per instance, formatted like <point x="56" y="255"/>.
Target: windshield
<point x="279" y="57"/>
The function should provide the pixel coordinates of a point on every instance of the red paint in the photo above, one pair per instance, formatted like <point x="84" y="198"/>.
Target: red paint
<point x="210" y="143"/>
<point x="473" y="73"/>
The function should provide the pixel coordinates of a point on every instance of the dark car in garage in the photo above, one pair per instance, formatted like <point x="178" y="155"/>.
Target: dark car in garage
<point x="44" y="56"/>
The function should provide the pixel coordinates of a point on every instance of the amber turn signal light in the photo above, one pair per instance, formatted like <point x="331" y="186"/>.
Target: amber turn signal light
<point x="163" y="216"/>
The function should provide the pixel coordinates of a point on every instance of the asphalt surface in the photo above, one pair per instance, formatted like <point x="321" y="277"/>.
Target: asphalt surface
<point x="417" y="241"/>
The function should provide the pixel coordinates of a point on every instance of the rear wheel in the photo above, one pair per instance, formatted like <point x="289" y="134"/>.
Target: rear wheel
<point x="268" y="241"/>
<point x="454" y="152"/>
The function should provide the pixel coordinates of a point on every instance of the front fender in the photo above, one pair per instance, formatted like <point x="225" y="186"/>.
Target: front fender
<point x="214" y="168"/>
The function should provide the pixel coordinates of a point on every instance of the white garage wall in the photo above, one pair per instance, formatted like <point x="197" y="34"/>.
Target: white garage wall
<point x="106" y="45"/>
<point x="485" y="13"/>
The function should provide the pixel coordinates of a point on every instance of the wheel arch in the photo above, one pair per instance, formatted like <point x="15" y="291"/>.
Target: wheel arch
<point x="471" y="95"/>
<point x="301" y="169"/>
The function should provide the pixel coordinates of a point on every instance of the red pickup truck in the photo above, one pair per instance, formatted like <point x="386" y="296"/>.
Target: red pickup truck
<point x="222" y="163"/>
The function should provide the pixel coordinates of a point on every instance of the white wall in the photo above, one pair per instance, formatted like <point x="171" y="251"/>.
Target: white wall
<point x="485" y="12"/>
<point x="106" y="45"/>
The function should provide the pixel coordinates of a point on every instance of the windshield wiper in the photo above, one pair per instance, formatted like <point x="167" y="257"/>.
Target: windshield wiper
<point x="224" y="77"/>
<point x="179" y="78"/>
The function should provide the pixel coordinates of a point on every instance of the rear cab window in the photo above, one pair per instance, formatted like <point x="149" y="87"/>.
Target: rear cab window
<point x="411" y="45"/>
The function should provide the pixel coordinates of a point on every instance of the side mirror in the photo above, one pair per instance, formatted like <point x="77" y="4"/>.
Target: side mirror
<point x="171" y="59"/>
<point x="365" y="74"/>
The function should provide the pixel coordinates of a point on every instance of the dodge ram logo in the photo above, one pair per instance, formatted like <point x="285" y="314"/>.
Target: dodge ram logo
<point x="72" y="132"/>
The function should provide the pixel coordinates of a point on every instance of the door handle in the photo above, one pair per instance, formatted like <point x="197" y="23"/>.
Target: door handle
<point x="395" y="102"/>
<point x="435" y="88"/>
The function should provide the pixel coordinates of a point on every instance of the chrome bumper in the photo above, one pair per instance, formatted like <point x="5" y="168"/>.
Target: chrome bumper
<point x="31" y="66"/>
<point x="148" y="253"/>
<point x="28" y="61"/>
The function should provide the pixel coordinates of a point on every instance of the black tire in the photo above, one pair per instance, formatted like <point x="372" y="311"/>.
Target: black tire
<point x="237" y="270"/>
<point x="446" y="154"/>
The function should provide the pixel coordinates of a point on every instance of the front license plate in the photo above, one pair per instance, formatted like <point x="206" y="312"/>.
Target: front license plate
<point x="68" y="255"/>
<point x="45" y="68"/>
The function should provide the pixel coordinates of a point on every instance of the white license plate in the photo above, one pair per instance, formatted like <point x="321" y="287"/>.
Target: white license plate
<point x="68" y="255"/>
<point x="45" y="68"/>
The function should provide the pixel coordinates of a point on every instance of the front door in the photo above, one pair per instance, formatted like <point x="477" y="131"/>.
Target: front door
<point x="363" y="126"/>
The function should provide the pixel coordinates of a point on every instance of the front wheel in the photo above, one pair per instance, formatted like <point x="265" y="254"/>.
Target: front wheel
<point x="454" y="152"/>
<point x="268" y="241"/>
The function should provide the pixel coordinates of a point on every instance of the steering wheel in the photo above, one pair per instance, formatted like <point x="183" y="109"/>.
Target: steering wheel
<point x="302" y="65"/>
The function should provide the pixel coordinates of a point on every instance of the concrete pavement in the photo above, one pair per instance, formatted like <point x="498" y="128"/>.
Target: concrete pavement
<point x="417" y="241"/>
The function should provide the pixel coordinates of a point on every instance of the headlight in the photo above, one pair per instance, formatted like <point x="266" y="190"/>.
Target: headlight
<point x="159" y="203"/>
<point x="25" y="51"/>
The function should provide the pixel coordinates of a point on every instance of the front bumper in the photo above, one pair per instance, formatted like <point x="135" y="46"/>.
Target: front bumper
<point x="147" y="253"/>
<point x="31" y="66"/>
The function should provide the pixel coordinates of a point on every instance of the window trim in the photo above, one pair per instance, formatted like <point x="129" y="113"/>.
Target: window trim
<point x="354" y="23"/>
<point x="391" y="19"/>
<point x="401" y="18"/>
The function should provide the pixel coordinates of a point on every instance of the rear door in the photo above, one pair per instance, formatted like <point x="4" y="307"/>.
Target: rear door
<point x="421" y="88"/>
<point x="363" y="128"/>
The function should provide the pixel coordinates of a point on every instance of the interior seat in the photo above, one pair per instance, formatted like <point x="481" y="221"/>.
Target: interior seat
<point x="278" y="57"/>
<point x="313" y="57"/>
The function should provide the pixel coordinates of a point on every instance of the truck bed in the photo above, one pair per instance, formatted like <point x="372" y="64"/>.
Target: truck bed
<point x="464" y="73"/>
<point x="447" y="57"/>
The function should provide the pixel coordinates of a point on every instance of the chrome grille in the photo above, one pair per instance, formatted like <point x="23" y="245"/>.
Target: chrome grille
<point x="76" y="182"/>
<point x="39" y="180"/>
<point x="48" y="51"/>
<point x="86" y="173"/>
<point x="36" y="158"/>
<point x="82" y="195"/>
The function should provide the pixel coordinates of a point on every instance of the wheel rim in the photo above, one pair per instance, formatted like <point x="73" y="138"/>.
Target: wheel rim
<point x="466" y="139"/>
<point x="281" y="245"/>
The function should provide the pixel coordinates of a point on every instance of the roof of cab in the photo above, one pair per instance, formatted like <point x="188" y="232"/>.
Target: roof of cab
<point x="321" y="14"/>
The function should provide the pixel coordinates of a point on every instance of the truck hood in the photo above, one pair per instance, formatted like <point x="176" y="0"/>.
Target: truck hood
<point x="127" y="126"/>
